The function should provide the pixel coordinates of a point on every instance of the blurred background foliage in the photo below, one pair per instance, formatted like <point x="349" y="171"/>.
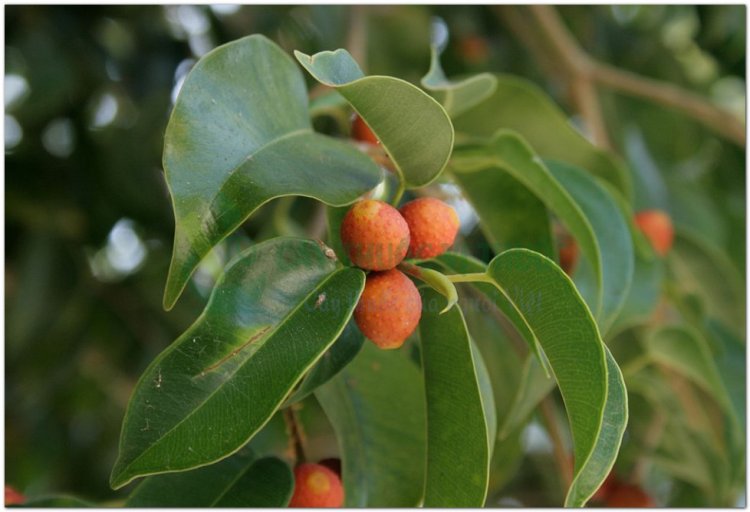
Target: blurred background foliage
<point x="89" y="225"/>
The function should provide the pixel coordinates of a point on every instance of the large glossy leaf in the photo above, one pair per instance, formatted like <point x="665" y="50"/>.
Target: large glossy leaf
<point x="412" y="127"/>
<point x="239" y="136"/>
<point x="519" y="105"/>
<point x="376" y="406"/>
<point x="238" y="481"/>
<point x="589" y="381"/>
<point x="342" y="352"/>
<point x="458" y="451"/>
<point x="612" y="234"/>
<point x="509" y="214"/>
<point x="509" y="153"/>
<point x="278" y="307"/>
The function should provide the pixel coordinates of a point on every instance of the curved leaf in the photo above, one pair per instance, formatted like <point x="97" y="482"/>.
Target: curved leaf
<point x="507" y="152"/>
<point x="488" y="397"/>
<point x="588" y="477"/>
<point x="239" y="136"/>
<point x="591" y="389"/>
<point x="413" y="128"/>
<point x="520" y="105"/>
<point x="238" y="481"/>
<point x="346" y="348"/>
<point x="458" y="451"/>
<point x="272" y="314"/>
<point x="612" y="234"/>
<point x="376" y="406"/>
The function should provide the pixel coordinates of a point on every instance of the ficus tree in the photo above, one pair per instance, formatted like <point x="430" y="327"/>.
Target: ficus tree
<point x="552" y="301"/>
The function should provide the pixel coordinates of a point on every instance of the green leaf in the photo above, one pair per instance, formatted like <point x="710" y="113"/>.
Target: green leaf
<point x="278" y="307"/>
<point x="643" y="295"/>
<point x="590" y="384"/>
<point x="462" y="264"/>
<point x="706" y="271"/>
<point x="458" y="451"/>
<point x="685" y="351"/>
<point x="507" y="152"/>
<point x="485" y="390"/>
<point x="436" y="280"/>
<point x="412" y="127"/>
<point x="56" y="501"/>
<point x="509" y="214"/>
<point x="342" y="352"/>
<point x="335" y="216"/>
<point x="239" y="136"/>
<point x="376" y="406"/>
<point x="238" y="481"/>
<point x="519" y="105"/>
<point x="534" y="386"/>
<point x="612" y="234"/>
<point x="590" y="473"/>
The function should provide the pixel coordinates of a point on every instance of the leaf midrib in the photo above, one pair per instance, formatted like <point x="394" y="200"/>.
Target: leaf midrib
<point x="261" y="342"/>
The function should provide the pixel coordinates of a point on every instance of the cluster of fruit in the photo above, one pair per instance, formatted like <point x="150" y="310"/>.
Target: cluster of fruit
<point x="377" y="237"/>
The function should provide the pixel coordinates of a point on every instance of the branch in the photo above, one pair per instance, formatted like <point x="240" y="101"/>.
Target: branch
<point x="715" y="118"/>
<point x="296" y="435"/>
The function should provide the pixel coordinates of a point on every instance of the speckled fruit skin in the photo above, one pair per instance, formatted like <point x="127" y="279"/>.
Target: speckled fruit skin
<point x="433" y="226"/>
<point x="13" y="497"/>
<point x="362" y="132"/>
<point x="375" y="235"/>
<point x="316" y="486"/>
<point x="657" y="226"/>
<point x="629" y="496"/>
<point x="389" y="309"/>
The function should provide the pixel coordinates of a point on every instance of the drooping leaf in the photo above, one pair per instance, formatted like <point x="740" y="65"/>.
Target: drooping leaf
<point x="509" y="153"/>
<point x="458" y="451"/>
<point x="376" y="406"/>
<point x="592" y="390"/>
<point x="346" y="348"/>
<point x="519" y="105"/>
<point x="643" y="295"/>
<point x="485" y="390"/>
<point x="241" y="480"/>
<point x="612" y="234"/>
<point x="412" y="127"/>
<point x="239" y="136"/>
<point x="210" y="391"/>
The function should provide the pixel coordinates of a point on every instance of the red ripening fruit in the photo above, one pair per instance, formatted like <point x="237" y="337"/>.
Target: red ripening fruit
<point x="433" y="226"/>
<point x="13" y="497"/>
<point x="316" y="486"/>
<point x="568" y="255"/>
<point x="657" y="226"/>
<point x="375" y="235"/>
<point x="389" y="309"/>
<point x="362" y="132"/>
<point x="629" y="496"/>
<point x="609" y="484"/>
<point x="474" y="49"/>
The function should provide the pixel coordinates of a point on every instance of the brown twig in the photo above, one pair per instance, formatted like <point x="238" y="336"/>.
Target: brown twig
<point x="296" y="435"/>
<point x="584" y="74"/>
